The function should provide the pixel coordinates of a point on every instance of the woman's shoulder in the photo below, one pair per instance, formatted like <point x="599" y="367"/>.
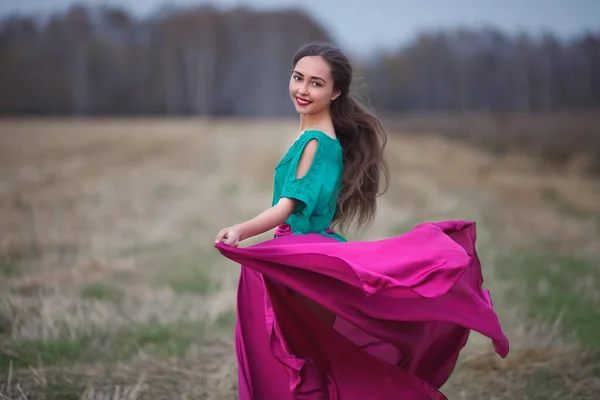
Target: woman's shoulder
<point x="309" y="134"/>
<point x="325" y="146"/>
<point x="324" y="142"/>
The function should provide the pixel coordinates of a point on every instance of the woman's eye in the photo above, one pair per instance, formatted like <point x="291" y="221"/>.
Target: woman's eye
<point x="297" y="78"/>
<point x="317" y="84"/>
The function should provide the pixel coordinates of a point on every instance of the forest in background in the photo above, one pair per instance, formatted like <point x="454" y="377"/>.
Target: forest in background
<point x="532" y="92"/>
<point x="204" y="61"/>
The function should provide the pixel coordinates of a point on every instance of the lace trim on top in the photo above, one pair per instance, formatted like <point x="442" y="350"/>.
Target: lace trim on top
<point x="297" y="186"/>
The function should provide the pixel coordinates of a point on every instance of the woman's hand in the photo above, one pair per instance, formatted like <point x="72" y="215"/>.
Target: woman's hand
<point x="265" y="221"/>
<point x="230" y="236"/>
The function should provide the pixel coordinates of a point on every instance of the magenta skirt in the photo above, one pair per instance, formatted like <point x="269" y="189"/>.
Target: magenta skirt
<point x="404" y="305"/>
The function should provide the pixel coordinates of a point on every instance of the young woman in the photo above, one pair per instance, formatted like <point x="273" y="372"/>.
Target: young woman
<point x="319" y="317"/>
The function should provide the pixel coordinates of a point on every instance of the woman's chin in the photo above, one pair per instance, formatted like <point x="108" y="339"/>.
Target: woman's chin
<point x="303" y="110"/>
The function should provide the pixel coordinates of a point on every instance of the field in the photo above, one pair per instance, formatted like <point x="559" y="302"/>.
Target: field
<point x="110" y="287"/>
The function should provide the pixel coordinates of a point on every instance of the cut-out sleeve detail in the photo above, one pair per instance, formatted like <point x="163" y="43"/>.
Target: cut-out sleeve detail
<point x="305" y="188"/>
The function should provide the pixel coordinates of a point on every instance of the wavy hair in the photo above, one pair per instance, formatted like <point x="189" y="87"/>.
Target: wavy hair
<point x="363" y="139"/>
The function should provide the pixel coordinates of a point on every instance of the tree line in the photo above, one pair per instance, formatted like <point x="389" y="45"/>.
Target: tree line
<point x="205" y="61"/>
<point x="487" y="70"/>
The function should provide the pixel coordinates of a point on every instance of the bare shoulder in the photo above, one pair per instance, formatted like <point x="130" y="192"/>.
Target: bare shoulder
<point x="306" y="157"/>
<point x="329" y="132"/>
<point x="325" y="131"/>
<point x="309" y="149"/>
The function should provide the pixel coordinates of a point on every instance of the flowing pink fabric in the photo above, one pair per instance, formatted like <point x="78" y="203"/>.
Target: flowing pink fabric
<point x="404" y="305"/>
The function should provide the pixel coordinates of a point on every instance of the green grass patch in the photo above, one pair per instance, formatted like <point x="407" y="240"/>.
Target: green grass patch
<point x="551" y="287"/>
<point x="170" y="340"/>
<point x="543" y="386"/>
<point x="190" y="274"/>
<point x="162" y="340"/>
<point x="103" y="292"/>
<point x="52" y="352"/>
<point x="226" y="320"/>
<point x="196" y="282"/>
<point x="8" y="267"/>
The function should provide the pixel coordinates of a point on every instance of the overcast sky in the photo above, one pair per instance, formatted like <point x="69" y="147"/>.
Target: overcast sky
<point x="363" y="25"/>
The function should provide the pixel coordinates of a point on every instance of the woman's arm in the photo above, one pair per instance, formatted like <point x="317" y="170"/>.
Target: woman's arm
<point x="275" y="215"/>
<point x="268" y="219"/>
<point x="263" y="222"/>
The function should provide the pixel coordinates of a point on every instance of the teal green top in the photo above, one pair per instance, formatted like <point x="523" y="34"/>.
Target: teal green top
<point x="318" y="190"/>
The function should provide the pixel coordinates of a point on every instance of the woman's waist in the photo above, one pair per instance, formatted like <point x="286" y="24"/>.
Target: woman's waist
<point x="286" y="229"/>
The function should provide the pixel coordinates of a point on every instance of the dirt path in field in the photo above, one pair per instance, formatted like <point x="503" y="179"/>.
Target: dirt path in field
<point x="117" y="202"/>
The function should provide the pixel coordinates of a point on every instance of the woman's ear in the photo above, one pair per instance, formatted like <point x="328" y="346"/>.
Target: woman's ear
<point x="336" y="94"/>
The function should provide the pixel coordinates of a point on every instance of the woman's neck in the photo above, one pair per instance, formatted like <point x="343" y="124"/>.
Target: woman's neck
<point x="321" y="121"/>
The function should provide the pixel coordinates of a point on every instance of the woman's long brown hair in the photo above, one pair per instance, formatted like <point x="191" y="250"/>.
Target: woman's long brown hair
<point x="363" y="139"/>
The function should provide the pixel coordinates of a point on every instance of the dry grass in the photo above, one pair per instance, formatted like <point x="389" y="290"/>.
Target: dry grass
<point x="110" y="288"/>
<point x="566" y="141"/>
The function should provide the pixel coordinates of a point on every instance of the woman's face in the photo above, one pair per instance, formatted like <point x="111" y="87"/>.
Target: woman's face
<point x="311" y="85"/>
